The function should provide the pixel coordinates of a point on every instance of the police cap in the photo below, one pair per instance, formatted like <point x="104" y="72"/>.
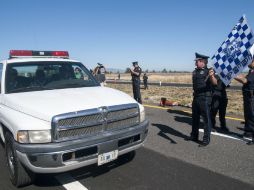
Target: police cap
<point x="200" y="56"/>
<point x="135" y="63"/>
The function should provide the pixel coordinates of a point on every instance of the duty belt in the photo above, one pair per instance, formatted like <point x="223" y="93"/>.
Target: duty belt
<point x="208" y="93"/>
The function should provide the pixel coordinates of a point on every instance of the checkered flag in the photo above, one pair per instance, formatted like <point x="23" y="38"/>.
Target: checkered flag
<point x="233" y="55"/>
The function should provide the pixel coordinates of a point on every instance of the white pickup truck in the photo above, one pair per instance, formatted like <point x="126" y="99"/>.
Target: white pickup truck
<point x="55" y="116"/>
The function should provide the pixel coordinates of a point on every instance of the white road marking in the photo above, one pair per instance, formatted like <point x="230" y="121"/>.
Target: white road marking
<point x="227" y="136"/>
<point x="69" y="183"/>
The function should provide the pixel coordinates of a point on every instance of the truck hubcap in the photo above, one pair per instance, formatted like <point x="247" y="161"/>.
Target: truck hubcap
<point x="10" y="158"/>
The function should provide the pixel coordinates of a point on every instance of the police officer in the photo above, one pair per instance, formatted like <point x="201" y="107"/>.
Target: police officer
<point x="100" y="73"/>
<point x="202" y="79"/>
<point x="219" y="103"/>
<point x="248" y="100"/>
<point x="135" y="74"/>
<point x="145" y="78"/>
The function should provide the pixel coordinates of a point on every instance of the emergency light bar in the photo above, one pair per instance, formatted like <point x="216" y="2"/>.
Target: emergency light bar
<point x="30" y="53"/>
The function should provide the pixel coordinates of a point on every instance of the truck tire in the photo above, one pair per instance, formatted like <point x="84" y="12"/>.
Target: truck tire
<point x="19" y="175"/>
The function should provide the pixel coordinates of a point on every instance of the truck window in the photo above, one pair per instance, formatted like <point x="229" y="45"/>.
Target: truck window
<point x="35" y="76"/>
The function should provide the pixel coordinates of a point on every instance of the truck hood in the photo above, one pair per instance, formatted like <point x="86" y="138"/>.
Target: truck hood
<point x="48" y="103"/>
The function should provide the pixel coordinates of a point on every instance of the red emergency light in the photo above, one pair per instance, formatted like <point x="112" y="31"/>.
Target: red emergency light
<point x="60" y="53"/>
<point x="18" y="53"/>
<point x="30" y="53"/>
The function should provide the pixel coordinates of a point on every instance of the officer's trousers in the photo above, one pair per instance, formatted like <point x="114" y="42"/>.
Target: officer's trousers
<point x="248" y="104"/>
<point x="145" y="84"/>
<point x="219" y="104"/>
<point x="201" y="106"/>
<point x="136" y="90"/>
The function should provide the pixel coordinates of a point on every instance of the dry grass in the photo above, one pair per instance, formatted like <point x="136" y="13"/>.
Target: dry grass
<point x="163" y="77"/>
<point x="181" y="95"/>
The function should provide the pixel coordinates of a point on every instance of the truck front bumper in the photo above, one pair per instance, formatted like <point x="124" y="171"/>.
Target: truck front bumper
<point x="70" y="155"/>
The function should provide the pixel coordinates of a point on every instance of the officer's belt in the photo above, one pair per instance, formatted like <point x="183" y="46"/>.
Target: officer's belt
<point x="207" y="93"/>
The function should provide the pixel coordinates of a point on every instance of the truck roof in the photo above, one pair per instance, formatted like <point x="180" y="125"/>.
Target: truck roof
<point x="32" y="59"/>
<point x="38" y="56"/>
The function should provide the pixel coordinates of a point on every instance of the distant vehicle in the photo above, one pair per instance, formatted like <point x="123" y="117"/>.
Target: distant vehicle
<point x="55" y="120"/>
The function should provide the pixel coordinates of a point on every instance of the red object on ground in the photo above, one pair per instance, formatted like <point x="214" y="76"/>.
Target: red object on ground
<point x="164" y="102"/>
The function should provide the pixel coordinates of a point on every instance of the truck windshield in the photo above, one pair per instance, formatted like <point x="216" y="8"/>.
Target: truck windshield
<point x="36" y="76"/>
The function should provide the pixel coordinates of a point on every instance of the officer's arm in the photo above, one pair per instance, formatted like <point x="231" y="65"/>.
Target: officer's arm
<point x="240" y="79"/>
<point x="212" y="77"/>
<point x="133" y="72"/>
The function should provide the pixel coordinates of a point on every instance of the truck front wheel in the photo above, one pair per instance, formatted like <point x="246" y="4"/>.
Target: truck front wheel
<point x="19" y="175"/>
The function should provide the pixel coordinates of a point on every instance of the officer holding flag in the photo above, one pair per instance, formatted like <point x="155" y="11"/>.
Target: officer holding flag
<point x="202" y="79"/>
<point x="236" y="53"/>
<point x="248" y="101"/>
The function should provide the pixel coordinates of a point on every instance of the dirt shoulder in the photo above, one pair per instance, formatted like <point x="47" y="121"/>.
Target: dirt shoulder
<point x="181" y="95"/>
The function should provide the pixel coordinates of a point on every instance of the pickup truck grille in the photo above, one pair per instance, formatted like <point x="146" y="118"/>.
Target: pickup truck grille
<point x="95" y="121"/>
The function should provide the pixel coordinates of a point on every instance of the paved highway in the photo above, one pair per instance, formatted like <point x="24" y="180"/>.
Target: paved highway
<point x="166" y="161"/>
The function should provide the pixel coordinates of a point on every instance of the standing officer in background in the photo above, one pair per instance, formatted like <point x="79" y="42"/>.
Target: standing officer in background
<point x="145" y="78"/>
<point x="100" y="73"/>
<point x="202" y="79"/>
<point x="248" y="100"/>
<point x="219" y="103"/>
<point x="135" y="74"/>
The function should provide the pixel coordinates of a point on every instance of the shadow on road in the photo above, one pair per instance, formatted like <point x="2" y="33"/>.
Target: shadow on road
<point x="179" y="112"/>
<point x="184" y="118"/>
<point x="164" y="130"/>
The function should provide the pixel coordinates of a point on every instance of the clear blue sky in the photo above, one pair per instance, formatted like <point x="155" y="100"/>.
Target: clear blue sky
<point x="159" y="33"/>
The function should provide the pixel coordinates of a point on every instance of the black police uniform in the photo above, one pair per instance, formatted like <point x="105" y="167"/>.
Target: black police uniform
<point x="145" y="78"/>
<point x="101" y="73"/>
<point x="201" y="104"/>
<point x="219" y="103"/>
<point x="248" y="102"/>
<point x="136" y="84"/>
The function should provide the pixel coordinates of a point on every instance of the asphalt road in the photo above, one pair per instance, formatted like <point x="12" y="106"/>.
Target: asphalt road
<point x="166" y="161"/>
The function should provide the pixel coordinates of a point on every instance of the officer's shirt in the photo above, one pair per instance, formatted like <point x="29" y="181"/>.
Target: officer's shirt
<point x="101" y="70"/>
<point x="201" y="82"/>
<point x="249" y="86"/>
<point x="145" y="78"/>
<point x="137" y="70"/>
<point x="220" y="88"/>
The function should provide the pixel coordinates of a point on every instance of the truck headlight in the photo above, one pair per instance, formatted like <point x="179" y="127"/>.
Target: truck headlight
<point x="142" y="116"/>
<point x="43" y="136"/>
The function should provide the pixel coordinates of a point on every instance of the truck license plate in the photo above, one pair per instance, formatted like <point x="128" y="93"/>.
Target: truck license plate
<point x="107" y="157"/>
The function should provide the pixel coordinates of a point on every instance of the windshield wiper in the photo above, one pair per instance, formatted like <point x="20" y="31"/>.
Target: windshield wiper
<point x="74" y="85"/>
<point x="29" y="88"/>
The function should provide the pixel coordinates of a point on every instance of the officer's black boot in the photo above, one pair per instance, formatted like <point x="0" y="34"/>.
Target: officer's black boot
<point x="192" y="138"/>
<point x="205" y="142"/>
<point x="224" y="128"/>
<point x="252" y="141"/>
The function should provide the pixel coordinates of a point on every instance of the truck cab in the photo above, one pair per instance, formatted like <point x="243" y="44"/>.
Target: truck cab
<point x="55" y="116"/>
